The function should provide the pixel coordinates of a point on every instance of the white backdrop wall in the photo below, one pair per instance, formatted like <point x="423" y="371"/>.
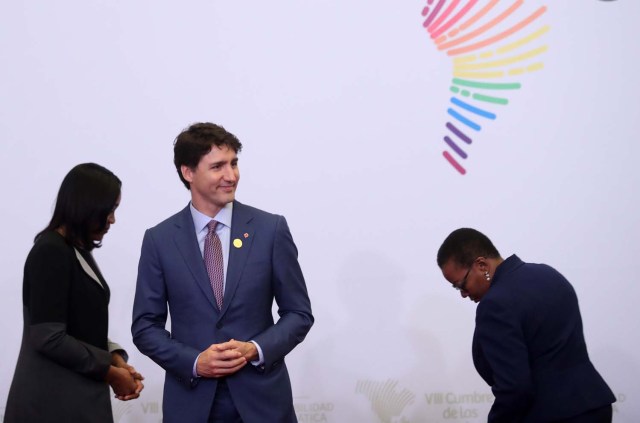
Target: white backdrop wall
<point x="342" y="107"/>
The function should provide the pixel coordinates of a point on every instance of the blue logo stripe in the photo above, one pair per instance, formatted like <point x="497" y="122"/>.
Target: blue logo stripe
<point x="471" y="124"/>
<point x="473" y="109"/>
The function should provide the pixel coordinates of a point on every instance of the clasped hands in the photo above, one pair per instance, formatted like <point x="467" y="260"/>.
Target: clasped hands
<point x="226" y="358"/>
<point x="125" y="381"/>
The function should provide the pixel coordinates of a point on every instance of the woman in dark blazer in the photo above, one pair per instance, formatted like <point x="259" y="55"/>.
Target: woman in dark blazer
<point x="66" y="362"/>
<point x="528" y="344"/>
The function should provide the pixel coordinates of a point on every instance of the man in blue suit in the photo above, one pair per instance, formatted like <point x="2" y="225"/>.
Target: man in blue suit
<point x="217" y="266"/>
<point x="528" y="344"/>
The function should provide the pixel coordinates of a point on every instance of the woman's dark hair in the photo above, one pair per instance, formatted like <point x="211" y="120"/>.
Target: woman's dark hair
<point x="87" y="196"/>
<point x="463" y="246"/>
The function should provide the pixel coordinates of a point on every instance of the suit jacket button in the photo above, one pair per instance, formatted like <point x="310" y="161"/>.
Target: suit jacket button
<point x="219" y="325"/>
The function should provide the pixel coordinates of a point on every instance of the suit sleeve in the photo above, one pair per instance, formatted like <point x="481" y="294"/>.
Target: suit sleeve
<point x="150" y="317"/>
<point x="290" y="291"/>
<point x="115" y="347"/>
<point x="501" y="339"/>
<point x="47" y="300"/>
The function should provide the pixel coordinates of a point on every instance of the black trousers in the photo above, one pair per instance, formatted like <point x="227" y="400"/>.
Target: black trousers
<point x="599" y="415"/>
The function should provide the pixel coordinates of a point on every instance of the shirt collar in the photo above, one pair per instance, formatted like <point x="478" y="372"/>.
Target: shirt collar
<point x="201" y="220"/>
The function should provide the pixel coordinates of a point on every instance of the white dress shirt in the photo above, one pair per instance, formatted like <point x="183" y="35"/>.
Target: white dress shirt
<point x="223" y="229"/>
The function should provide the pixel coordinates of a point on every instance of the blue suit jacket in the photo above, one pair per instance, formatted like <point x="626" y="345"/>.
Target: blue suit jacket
<point x="529" y="346"/>
<point x="172" y="277"/>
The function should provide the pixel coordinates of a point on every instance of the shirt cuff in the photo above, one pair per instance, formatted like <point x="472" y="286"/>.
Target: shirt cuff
<point x="260" y="360"/>
<point x="195" y="364"/>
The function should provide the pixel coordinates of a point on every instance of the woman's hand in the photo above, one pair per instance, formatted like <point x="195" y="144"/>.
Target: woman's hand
<point x="117" y="361"/>
<point x="122" y="382"/>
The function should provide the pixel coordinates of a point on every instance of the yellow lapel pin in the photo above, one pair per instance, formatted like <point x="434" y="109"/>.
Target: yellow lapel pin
<point x="237" y="243"/>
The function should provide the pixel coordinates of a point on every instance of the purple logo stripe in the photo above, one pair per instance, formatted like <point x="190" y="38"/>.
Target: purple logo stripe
<point x="455" y="147"/>
<point x="434" y="13"/>
<point x="458" y="132"/>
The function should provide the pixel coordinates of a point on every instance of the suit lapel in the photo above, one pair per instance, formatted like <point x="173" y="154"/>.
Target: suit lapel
<point x="242" y="234"/>
<point x="187" y="243"/>
<point x="87" y="269"/>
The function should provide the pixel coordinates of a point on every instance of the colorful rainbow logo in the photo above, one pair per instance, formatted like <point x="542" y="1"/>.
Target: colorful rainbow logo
<point x="487" y="59"/>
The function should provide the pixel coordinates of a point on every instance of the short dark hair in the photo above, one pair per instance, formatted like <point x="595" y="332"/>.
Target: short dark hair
<point x="87" y="195"/>
<point x="464" y="245"/>
<point x="196" y="141"/>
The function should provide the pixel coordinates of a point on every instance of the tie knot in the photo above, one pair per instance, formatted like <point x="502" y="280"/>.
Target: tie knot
<point x="212" y="226"/>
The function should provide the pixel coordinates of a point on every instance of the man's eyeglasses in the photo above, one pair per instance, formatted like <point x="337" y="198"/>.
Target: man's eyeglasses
<point x="463" y="284"/>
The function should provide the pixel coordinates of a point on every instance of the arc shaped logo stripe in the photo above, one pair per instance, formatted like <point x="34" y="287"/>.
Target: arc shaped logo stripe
<point x="470" y="21"/>
<point x="478" y="16"/>
<point x="486" y="27"/>
<point x="438" y="22"/>
<point x="475" y="110"/>
<point x="454" y="20"/>
<point x="499" y="36"/>
<point x="459" y="133"/>
<point x="435" y="12"/>
<point x="502" y="62"/>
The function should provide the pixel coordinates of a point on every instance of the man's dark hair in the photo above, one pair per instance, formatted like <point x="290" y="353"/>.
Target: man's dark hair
<point x="196" y="141"/>
<point x="463" y="246"/>
<point x="87" y="195"/>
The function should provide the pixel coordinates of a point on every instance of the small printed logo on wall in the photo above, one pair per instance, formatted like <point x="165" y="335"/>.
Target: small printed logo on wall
<point x="459" y="406"/>
<point x="120" y="409"/>
<point x="311" y="411"/>
<point x="493" y="44"/>
<point x="136" y="410"/>
<point x="387" y="403"/>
